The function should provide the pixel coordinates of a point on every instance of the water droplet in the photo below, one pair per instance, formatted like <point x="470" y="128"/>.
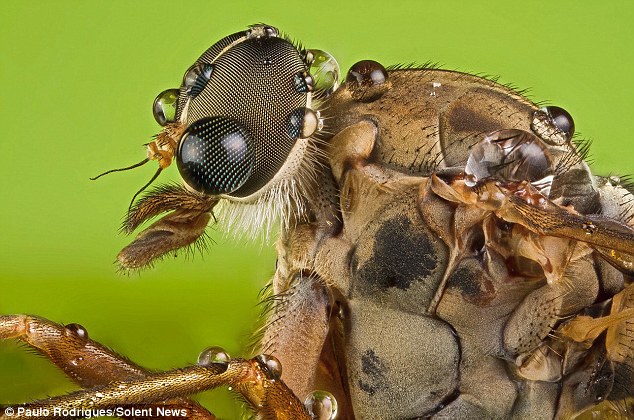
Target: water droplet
<point x="367" y="73"/>
<point x="77" y="330"/>
<point x="589" y="227"/>
<point x="213" y="355"/>
<point x="553" y="124"/>
<point x="510" y="156"/>
<point x="562" y="119"/>
<point x="302" y="123"/>
<point x="164" y="107"/>
<point x="304" y="82"/>
<point x="324" y="69"/>
<point x="271" y="364"/>
<point x="196" y="78"/>
<point x="259" y="31"/>
<point x="321" y="405"/>
<point x="367" y="80"/>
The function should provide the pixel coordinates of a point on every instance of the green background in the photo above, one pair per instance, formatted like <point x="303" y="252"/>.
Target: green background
<point x="78" y="79"/>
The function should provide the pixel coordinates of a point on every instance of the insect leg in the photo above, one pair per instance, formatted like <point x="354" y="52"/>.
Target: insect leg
<point x="268" y="396"/>
<point x="297" y="330"/>
<point x="84" y="360"/>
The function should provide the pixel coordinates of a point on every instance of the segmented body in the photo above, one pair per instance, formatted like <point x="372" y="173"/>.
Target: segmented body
<point x="443" y="308"/>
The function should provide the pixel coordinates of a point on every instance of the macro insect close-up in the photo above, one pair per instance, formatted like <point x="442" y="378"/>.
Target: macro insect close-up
<point x="422" y="241"/>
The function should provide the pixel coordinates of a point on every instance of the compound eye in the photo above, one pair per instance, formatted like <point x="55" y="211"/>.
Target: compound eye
<point x="215" y="155"/>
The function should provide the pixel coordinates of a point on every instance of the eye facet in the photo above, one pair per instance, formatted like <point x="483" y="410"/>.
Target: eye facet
<point x="215" y="155"/>
<point x="164" y="107"/>
<point x="197" y="77"/>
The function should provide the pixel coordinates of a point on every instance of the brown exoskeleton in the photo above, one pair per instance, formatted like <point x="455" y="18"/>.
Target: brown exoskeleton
<point x="444" y="250"/>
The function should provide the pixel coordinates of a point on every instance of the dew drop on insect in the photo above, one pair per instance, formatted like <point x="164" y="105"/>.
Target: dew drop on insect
<point x="562" y="119"/>
<point x="510" y="156"/>
<point x="553" y="124"/>
<point x="367" y="80"/>
<point x="213" y="355"/>
<point x="262" y="31"/>
<point x="196" y="78"/>
<point x="302" y="123"/>
<point x="324" y="69"/>
<point x="303" y="82"/>
<point x="77" y="330"/>
<point x="367" y="72"/>
<point x="76" y="361"/>
<point x="164" y="107"/>
<point x="321" y="405"/>
<point x="272" y="365"/>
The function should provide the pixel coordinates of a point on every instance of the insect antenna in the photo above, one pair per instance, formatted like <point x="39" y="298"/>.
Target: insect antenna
<point x="136" y="165"/>
<point x="158" y="172"/>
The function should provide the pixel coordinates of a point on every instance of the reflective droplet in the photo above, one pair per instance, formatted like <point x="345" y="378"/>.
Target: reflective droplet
<point x="510" y="156"/>
<point x="259" y="31"/>
<point x="304" y="82"/>
<point x="164" y="107"/>
<point x="213" y="355"/>
<point x="589" y="227"/>
<point x="302" y="123"/>
<point x="77" y="330"/>
<point x="196" y="78"/>
<point x="271" y="364"/>
<point x="324" y="69"/>
<point x="76" y="361"/>
<point x="367" y="80"/>
<point x="321" y="405"/>
<point x="562" y="119"/>
<point x="553" y="124"/>
<point x="367" y="73"/>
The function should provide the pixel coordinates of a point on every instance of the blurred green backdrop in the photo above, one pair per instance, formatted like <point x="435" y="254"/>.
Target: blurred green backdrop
<point x="79" y="78"/>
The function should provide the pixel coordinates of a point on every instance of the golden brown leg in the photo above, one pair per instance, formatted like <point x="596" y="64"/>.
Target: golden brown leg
<point x="117" y="382"/>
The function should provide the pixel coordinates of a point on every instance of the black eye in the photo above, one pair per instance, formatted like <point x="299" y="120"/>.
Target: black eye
<point x="164" y="107"/>
<point x="215" y="155"/>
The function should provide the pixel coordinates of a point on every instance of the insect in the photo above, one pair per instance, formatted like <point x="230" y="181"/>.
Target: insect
<point x="443" y="248"/>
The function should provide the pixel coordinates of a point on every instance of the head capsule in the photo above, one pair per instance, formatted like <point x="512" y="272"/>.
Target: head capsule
<point x="243" y="106"/>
